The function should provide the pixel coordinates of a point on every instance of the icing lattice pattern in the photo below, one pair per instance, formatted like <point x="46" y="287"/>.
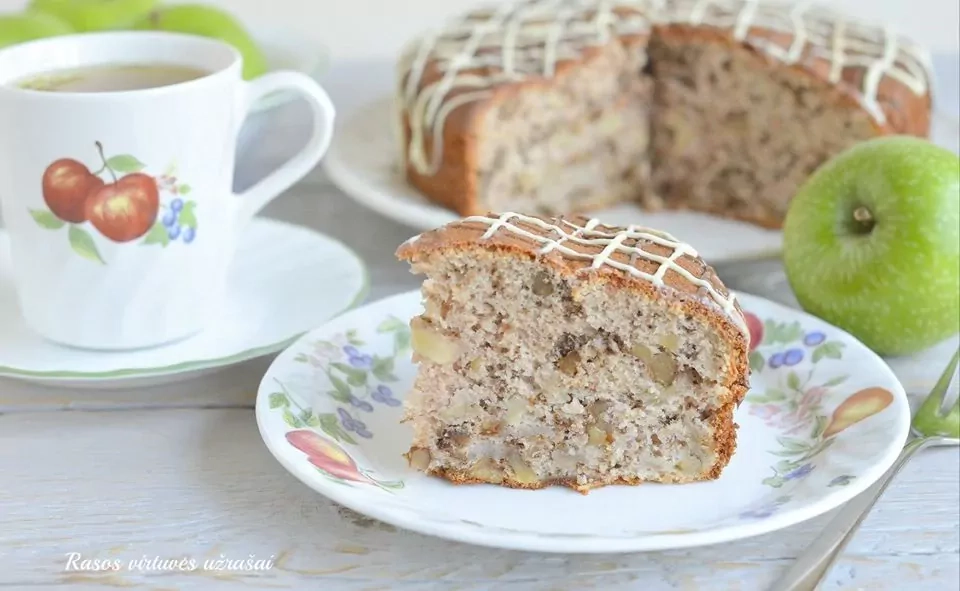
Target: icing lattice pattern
<point x="512" y="42"/>
<point x="822" y="33"/>
<point x="600" y="243"/>
<point x="505" y="44"/>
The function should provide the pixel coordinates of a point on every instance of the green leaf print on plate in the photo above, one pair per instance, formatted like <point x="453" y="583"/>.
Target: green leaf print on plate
<point x="790" y="357"/>
<point x="341" y="391"/>
<point x="331" y="426"/>
<point x="355" y="376"/>
<point x="829" y="350"/>
<point x="400" y="330"/>
<point x="278" y="400"/>
<point x="357" y="380"/>
<point x="326" y="455"/>
<point x="383" y="369"/>
<point x="781" y="332"/>
<point x="353" y="339"/>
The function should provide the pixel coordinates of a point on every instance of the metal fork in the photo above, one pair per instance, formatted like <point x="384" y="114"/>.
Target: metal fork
<point x="931" y="426"/>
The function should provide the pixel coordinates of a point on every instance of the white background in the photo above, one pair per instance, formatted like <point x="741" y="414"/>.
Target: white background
<point x="365" y="29"/>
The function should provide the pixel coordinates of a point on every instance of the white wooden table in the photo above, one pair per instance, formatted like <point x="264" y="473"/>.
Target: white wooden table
<point x="179" y="472"/>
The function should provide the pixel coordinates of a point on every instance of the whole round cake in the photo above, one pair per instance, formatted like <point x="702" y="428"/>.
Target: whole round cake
<point x="722" y="106"/>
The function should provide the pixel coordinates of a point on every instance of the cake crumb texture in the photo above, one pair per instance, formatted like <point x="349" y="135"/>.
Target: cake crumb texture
<point x="561" y="351"/>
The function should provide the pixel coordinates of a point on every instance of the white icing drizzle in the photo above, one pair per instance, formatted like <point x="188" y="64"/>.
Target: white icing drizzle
<point x="511" y="42"/>
<point x="877" y="69"/>
<point x="795" y="52"/>
<point x="836" y="62"/>
<point x="578" y="232"/>
<point x="698" y="11"/>
<point x="821" y="33"/>
<point x="558" y="237"/>
<point x="745" y="19"/>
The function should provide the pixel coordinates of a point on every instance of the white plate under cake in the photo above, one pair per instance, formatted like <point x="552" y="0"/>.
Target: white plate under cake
<point x="823" y="419"/>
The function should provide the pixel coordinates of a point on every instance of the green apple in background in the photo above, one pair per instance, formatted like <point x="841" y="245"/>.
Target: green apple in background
<point x="95" y="15"/>
<point x="208" y="21"/>
<point x="27" y="26"/>
<point x="872" y="243"/>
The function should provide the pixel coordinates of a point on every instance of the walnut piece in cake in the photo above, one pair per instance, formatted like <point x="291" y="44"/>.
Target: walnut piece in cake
<point x="563" y="351"/>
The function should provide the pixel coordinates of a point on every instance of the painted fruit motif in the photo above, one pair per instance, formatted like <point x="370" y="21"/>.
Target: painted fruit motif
<point x="125" y="209"/>
<point x="326" y="455"/>
<point x="859" y="406"/>
<point x="119" y="200"/>
<point x="755" y="328"/>
<point x="66" y="186"/>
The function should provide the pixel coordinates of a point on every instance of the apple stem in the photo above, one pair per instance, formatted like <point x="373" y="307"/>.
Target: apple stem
<point x="105" y="165"/>
<point x="864" y="218"/>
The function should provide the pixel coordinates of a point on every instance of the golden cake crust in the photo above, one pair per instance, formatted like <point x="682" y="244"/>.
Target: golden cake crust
<point x="473" y="231"/>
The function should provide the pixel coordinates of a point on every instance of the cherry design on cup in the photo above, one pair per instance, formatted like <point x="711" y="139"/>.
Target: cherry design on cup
<point x="119" y="200"/>
<point x="125" y="209"/>
<point x="66" y="185"/>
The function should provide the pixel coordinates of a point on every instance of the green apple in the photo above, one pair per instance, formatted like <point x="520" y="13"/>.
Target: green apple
<point x="871" y="243"/>
<point x="27" y="26"/>
<point x="95" y="15"/>
<point x="208" y="21"/>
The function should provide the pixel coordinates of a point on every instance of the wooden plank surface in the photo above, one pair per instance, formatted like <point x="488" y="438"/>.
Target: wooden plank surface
<point x="188" y="483"/>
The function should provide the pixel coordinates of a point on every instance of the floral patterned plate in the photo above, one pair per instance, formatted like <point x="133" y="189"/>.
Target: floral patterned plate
<point x="825" y="417"/>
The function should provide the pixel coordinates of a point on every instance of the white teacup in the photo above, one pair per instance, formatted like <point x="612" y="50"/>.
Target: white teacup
<point x="132" y="274"/>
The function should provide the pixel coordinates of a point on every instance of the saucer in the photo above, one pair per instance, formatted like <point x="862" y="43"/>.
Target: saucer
<point x="814" y="431"/>
<point x="284" y="281"/>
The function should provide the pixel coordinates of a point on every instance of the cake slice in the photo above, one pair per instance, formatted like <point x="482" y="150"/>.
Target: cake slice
<point x="563" y="351"/>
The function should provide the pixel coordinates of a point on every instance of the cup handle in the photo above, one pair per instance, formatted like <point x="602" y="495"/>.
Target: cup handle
<point x="256" y="197"/>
